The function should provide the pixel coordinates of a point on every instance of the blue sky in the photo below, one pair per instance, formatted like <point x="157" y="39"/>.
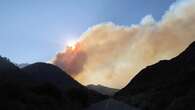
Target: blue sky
<point x="35" y="30"/>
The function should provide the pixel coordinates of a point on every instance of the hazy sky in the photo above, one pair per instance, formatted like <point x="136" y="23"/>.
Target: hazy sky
<point x="35" y="30"/>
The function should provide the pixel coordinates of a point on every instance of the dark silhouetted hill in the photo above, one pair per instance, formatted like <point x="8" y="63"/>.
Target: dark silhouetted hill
<point x="167" y="85"/>
<point x="42" y="86"/>
<point x="9" y="71"/>
<point x="103" y="89"/>
<point x="47" y="73"/>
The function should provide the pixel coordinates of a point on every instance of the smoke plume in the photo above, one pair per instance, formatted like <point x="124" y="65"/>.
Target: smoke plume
<point x="112" y="55"/>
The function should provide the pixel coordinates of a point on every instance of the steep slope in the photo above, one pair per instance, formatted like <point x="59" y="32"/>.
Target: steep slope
<point x="163" y="85"/>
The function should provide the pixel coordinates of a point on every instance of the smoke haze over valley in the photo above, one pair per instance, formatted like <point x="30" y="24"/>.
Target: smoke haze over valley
<point x="111" y="54"/>
<point x="97" y="54"/>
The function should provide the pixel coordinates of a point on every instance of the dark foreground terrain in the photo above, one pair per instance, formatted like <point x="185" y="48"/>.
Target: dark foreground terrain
<point x="167" y="85"/>
<point x="42" y="86"/>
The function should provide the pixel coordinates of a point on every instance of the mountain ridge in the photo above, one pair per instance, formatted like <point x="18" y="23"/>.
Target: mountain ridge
<point x="161" y="85"/>
<point x="42" y="86"/>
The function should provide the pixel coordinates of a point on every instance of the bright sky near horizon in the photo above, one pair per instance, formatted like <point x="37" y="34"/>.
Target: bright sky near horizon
<point x="35" y="30"/>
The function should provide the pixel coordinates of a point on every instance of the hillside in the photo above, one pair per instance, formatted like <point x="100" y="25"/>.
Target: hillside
<point x="167" y="85"/>
<point x="42" y="86"/>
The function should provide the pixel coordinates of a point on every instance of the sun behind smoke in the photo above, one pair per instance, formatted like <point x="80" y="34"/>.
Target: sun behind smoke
<point x="112" y="55"/>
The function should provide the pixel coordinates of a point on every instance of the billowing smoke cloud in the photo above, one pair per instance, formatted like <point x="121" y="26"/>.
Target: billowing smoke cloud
<point x="111" y="55"/>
